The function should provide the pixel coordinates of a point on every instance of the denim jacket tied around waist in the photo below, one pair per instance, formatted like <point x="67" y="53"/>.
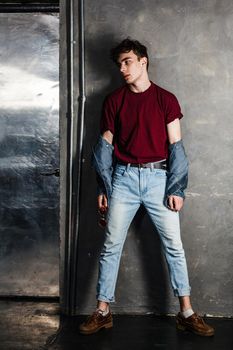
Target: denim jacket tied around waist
<point x="177" y="173"/>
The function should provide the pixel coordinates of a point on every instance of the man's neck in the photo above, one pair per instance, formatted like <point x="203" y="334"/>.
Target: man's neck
<point x="140" y="86"/>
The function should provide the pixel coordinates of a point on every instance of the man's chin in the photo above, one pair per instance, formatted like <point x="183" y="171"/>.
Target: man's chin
<point x="128" y="81"/>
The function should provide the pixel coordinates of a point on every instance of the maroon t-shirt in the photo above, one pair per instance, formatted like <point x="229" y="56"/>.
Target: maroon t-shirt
<point x="138" y="122"/>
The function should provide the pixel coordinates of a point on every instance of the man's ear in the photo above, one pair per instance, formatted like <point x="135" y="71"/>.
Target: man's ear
<point x="144" y="60"/>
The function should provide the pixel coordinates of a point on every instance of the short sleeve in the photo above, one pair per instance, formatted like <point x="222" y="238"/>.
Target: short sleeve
<point x="107" y="121"/>
<point x="172" y="109"/>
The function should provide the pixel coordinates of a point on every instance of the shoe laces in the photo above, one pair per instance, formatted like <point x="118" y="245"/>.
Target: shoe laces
<point x="93" y="316"/>
<point x="198" y="318"/>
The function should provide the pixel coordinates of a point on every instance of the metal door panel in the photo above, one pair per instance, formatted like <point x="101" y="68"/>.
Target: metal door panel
<point x="29" y="152"/>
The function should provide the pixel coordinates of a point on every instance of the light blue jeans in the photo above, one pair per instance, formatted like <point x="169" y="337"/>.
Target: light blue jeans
<point x="131" y="188"/>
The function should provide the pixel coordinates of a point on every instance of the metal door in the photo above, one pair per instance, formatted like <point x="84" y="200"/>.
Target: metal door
<point x="29" y="154"/>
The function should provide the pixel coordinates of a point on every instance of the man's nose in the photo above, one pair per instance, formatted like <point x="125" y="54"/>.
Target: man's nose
<point x="122" y="68"/>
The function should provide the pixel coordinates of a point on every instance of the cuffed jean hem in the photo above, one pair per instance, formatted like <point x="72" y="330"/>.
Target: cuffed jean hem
<point x="101" y="297"/>
<point x="182" y="292"/>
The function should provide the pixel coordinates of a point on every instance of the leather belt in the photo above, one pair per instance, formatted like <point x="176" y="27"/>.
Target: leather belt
<point x="152" y="165"/>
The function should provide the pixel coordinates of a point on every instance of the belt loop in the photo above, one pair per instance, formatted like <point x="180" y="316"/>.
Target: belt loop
<point x="128" y="166"/>
<point x="151" y="166"/>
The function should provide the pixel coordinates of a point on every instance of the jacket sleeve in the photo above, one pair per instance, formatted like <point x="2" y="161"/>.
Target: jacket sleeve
<point x="177" y="176"/>
<point x="102" y="162"/>
<point x="100" y="185"/>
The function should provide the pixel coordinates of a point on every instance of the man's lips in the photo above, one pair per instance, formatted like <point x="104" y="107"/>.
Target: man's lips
<point x="126" y="76"/>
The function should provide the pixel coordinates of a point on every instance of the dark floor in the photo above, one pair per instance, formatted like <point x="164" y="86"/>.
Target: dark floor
<point x="38" y="326"/>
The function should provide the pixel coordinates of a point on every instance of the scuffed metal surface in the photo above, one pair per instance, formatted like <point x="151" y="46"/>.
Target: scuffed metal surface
<point x="29" y="146"/>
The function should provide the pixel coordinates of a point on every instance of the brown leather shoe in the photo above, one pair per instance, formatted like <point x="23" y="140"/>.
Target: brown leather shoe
<point x="95" y="322"/>
<point x="194" y="324"/>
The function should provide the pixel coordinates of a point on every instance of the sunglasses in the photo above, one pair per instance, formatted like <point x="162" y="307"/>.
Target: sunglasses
<point x="102" y="222"/>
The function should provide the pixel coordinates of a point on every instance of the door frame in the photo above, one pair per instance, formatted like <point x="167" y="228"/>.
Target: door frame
<point x="72" y="104"/>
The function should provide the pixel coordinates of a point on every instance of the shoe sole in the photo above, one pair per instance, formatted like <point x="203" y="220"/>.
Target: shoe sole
<point x="106" y="326"/>
<point x="183" y="328"/>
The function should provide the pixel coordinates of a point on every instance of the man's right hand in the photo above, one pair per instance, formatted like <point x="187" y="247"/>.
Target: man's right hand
<point x="102" y="202"/>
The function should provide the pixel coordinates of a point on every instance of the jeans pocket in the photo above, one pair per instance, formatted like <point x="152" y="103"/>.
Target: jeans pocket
<point x="119" y="171"/>
<point x="161" y="172"/>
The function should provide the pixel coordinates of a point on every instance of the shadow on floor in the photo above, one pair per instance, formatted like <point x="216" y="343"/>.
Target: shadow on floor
<point x="139" y="333"/>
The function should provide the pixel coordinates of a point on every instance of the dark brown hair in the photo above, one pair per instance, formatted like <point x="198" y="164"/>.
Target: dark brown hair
<point x="129" y="45"/>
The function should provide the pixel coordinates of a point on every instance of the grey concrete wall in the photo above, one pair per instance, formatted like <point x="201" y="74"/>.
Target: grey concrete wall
<point x="190" y="46"/>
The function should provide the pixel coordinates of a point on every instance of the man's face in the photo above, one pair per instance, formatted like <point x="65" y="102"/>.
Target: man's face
<point x="131" y="67"/>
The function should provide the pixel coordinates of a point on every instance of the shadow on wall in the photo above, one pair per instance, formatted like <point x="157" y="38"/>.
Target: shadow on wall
<point x="102" y="77"/>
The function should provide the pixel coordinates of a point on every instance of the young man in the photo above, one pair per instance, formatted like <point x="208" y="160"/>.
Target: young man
<point x="140" y="129"/>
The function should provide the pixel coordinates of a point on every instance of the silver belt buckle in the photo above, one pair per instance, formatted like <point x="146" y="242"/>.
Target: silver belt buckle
<point x="144" y="165"/>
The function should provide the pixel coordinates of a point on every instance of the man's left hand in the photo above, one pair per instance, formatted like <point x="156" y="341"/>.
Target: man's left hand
<point x="175" y="203"/>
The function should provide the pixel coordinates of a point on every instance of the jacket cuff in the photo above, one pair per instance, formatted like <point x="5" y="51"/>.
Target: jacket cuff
<point x="100" y="185"/>
<point x="100" y="191"/>
<point x="179" y="193"/>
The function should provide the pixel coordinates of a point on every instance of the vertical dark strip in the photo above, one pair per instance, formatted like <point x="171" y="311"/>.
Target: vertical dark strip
<point x="75" y="121"/>
<point x="77" y="166"/>
<point x="67" y="280"/>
